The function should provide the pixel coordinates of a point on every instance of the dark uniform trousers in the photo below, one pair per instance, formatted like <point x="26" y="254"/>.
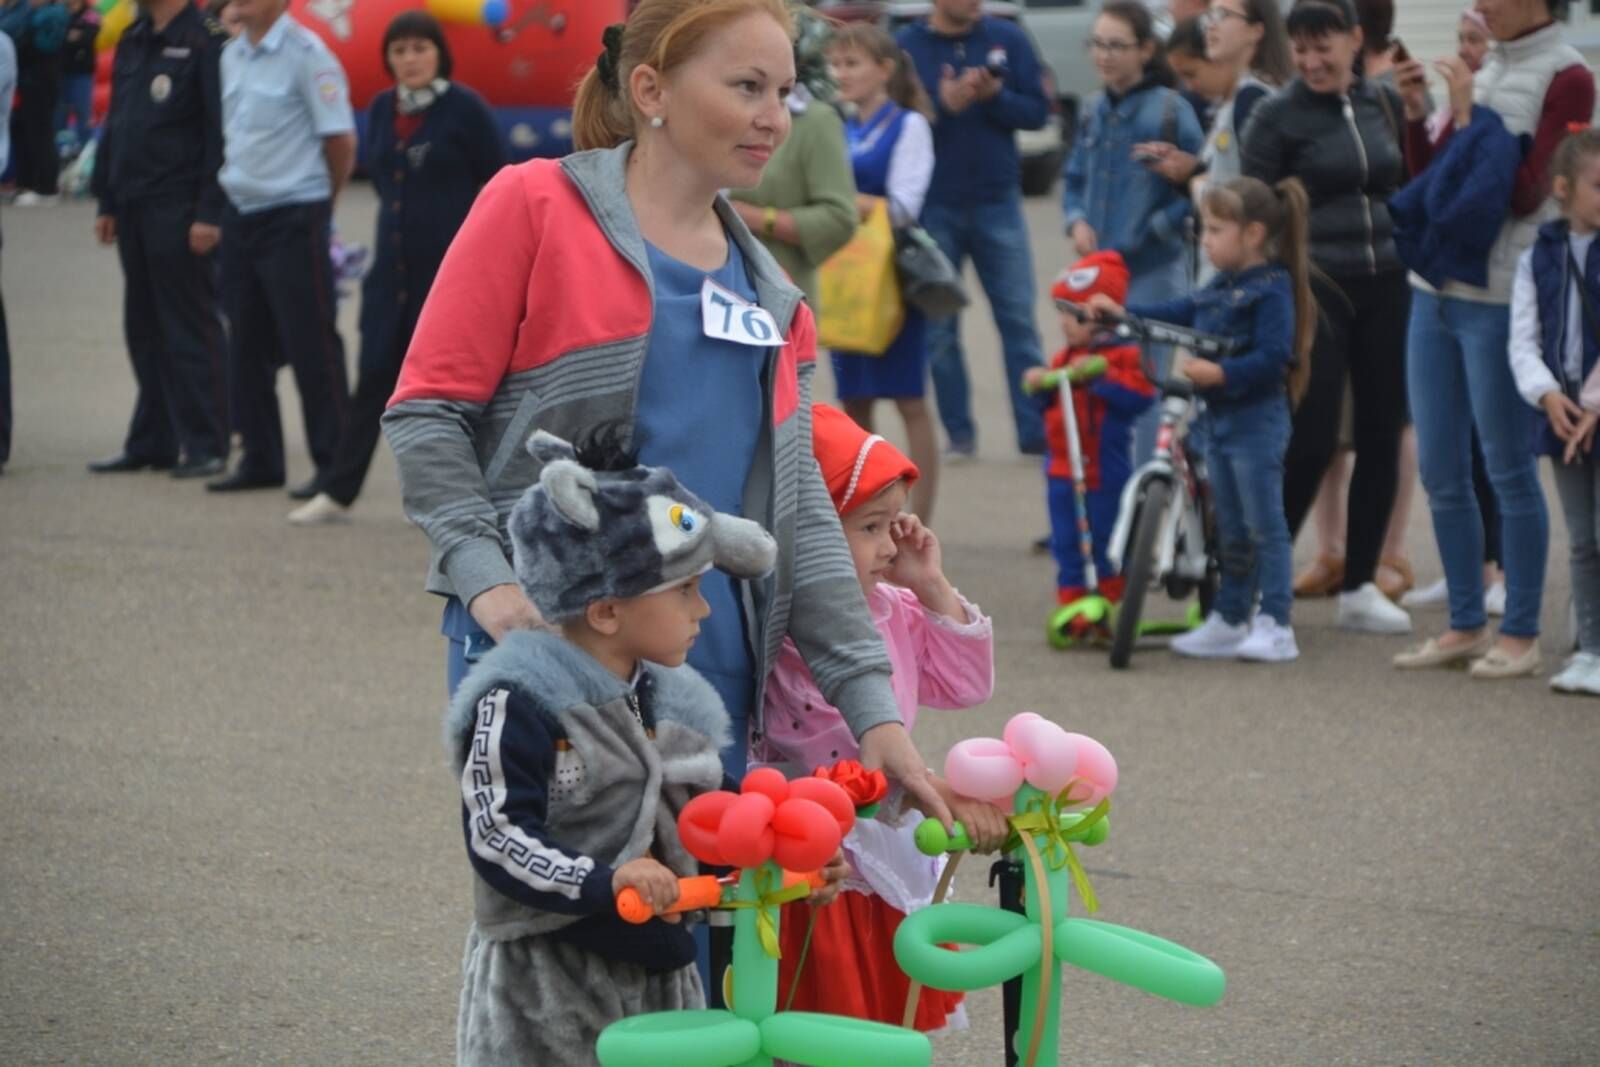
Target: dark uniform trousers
<point x="5" y="383"/>
<point x="174" y="333"/>
<point x="279" y="298"/>
<point x="380" y="372"/>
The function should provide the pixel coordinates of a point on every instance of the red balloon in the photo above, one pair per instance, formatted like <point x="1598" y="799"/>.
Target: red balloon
<point x="808" y="835"/>
<point x="830" y="795"/>
<point x="699" y="822"/>
<point x="745" y="837"/>
<point x="767" y="780"/>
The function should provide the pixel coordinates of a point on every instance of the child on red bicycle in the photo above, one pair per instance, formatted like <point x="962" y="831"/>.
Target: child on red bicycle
<point x="1106" y="406"/>
<point x="1256" y="237"/>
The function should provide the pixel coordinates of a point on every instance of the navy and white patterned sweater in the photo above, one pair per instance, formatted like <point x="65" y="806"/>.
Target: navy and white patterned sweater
<point x="567" y="772"/>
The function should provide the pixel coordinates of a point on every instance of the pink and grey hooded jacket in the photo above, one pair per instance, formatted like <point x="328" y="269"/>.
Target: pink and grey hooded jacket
<point x="539" y="319"/>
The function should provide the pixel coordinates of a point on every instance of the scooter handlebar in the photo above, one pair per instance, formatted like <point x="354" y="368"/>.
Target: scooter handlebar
<point x="933" y="840"/>
<point x="700" y="891"/>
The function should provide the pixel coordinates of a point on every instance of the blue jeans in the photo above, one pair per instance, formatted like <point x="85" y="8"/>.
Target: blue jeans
<point x="77" y="101"/>
<point x="1151" y="287"/>
<point x="995" y="235"/>
<point x="1244" y="450"/>
<point x="1458" y="376"/>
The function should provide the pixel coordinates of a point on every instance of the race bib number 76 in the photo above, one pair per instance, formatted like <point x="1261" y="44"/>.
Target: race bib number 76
<point x="726" y="316"/>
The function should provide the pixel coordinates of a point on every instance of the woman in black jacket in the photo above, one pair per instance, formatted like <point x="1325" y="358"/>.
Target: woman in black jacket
<point x="431" y="144"/>
<point x="1340" y="135"/>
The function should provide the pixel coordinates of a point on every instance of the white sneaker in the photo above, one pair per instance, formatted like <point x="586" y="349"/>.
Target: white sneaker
<point x="1268" y="642"/>
<point x="1494" y="599"/>
<point x="1214" y="639"/>
<point x="1589" y="684"/>
<point x="1368" y="610"/>
<point x="1581" y="668"/>
<point x="320" y="510"/>
<point x="29" y="198"/>
<point x="1429" y="596"/>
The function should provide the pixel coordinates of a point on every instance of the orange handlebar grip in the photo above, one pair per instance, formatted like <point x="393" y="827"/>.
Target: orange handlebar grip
<point x="703" y="891"/>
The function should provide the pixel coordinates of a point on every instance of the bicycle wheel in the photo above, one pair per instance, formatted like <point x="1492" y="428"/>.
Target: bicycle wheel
<point x="1146" y="527"/>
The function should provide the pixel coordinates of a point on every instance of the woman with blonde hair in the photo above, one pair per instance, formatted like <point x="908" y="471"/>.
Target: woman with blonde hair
<point x="619" y="284"/>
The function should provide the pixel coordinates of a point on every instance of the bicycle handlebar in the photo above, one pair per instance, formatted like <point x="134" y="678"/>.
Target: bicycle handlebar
<point x="701" y="891"/>
<point x="1153" y="331"/>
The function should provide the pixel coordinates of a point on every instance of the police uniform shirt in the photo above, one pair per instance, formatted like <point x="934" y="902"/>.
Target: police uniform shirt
<point x="163" y="135"/>
<point x="280" y="97"/>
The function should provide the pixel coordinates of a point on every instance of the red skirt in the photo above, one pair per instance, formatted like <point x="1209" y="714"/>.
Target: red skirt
<point x="850" y="969"/>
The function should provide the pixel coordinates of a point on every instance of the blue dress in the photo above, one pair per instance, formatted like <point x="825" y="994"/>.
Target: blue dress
<point x="686" y="378"/>
<point x="902" y="370"/>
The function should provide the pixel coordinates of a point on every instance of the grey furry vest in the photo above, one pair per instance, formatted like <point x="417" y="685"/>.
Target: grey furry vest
<point x="616" y="791"/>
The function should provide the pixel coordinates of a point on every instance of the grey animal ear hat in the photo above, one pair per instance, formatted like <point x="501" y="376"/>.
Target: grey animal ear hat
<point x="582" y="534"/>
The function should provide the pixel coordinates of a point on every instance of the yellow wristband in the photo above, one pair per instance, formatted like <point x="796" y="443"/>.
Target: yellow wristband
<point x="769" y="221"/>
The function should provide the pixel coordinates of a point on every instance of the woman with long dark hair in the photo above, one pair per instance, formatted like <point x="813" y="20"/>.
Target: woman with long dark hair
<point x="1340" y="135"/>
<point x="1113" y="196"/>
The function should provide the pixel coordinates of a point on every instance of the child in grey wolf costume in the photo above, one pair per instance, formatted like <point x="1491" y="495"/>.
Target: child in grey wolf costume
<point x="569" y="771"/>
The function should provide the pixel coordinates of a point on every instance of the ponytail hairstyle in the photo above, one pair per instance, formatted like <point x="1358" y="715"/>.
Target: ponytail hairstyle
<point x="1285" y="211"/>
<point x="874" y="42"/>
<point x="1581" y="144"/>
<point x="1138" y="19"/>
<point x="661" y="34"/>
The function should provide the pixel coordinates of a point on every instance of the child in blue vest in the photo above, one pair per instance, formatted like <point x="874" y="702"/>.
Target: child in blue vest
<point x="1256" y="236"/>
<point x="1555" y="316"/>
<point x="1105" y="407"/>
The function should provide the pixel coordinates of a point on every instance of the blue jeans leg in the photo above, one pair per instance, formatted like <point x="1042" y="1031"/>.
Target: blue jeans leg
<point x="947" y="364"/>
<point x="1004" y="262"/>
<point x="1149" y="287"/>
<point x="1441" y="410"/>
<point x="1064" y="533"/>
<point x="1236" y="586"/>
<point x="1505" y="426"/>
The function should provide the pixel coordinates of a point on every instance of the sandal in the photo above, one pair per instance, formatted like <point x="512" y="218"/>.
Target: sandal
<point x="1324" y="577"/>
<point x="1402" y="579"/>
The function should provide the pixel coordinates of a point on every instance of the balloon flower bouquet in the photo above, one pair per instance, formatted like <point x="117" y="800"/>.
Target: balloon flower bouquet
<point x="1038" y="771"/>
<point x="770" y="829"/>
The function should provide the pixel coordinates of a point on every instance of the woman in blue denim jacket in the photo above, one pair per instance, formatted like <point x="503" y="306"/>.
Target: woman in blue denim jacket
<point x="1256" y="236"/>
<point x="1113" y="199"/>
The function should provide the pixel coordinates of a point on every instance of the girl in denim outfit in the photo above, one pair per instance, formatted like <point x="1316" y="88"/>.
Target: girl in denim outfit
<point x="1113" y="197"/>
<point x="1256" y="236"/>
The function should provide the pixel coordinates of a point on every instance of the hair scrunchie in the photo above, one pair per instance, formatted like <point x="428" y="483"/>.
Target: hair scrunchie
<point x="606" y="62"/>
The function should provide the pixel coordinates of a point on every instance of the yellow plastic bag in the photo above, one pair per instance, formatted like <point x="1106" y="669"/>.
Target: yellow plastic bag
<point x="859" y="291"/>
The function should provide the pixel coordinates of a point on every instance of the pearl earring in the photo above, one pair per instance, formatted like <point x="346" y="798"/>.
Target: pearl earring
<point x="656" y="122"/>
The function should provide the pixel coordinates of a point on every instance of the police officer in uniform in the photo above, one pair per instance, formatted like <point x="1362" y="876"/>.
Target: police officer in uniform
<point x="156" y="177"/>
<point x="290" y="146"/>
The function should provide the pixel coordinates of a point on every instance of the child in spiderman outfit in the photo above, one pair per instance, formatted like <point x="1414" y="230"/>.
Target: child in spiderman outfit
<point x="1107" y="406"/>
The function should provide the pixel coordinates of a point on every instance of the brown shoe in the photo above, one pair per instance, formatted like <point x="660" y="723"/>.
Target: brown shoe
<point x="1324" y="577"/>
<point x="1398" y="582"/>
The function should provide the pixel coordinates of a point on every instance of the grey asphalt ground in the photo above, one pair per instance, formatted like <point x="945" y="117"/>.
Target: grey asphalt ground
<point x="228" y="835"/>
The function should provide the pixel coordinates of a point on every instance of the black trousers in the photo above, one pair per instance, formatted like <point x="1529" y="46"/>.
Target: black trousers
<point x="5" y="381"/>
<point x="173" y="325"/>
<point x="353" y="456"/>
<point x="1361" y="332"/>
<point x="279" y="297"/>
<point x="34" y="129"/>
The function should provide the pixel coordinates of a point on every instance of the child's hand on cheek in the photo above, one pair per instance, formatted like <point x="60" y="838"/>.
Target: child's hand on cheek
<point x="656" y="885"/>
<point x="919" y="566"/>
